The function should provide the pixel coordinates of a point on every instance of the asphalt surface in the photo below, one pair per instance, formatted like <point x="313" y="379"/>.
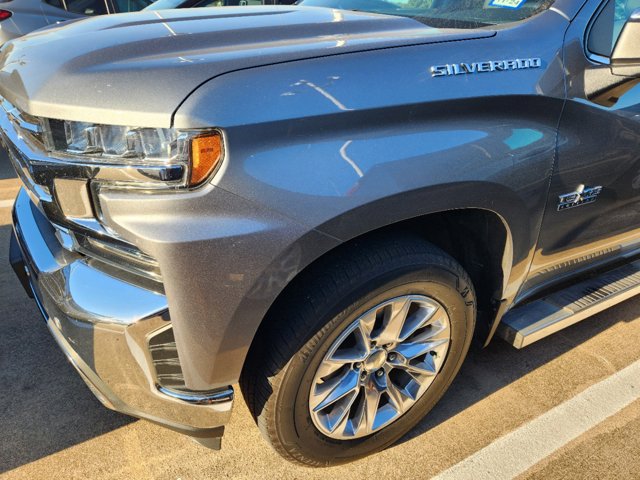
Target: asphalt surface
<point x="566" y="407"/>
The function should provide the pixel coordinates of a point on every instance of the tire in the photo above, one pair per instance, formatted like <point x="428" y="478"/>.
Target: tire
<point x="315" y="314"/>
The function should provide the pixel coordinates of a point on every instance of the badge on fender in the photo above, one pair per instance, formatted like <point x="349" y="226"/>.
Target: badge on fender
<point x="485" y="67"/>
<point x="582" y="196"/>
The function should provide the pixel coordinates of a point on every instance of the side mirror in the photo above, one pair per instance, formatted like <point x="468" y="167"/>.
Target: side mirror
<point x="625" y="59"/>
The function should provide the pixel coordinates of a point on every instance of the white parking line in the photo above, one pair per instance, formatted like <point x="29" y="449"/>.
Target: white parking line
<point x="521" y="449"/>
<point x="6" y="203"/>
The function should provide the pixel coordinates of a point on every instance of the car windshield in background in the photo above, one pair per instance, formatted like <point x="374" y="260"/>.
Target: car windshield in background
<point x="445" y="13"/>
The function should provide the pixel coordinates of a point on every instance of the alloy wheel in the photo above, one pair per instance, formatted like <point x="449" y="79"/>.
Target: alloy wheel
<point x="379" y="367"/>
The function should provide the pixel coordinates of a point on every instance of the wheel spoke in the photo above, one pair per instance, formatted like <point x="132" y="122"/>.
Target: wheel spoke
<point x="337" y="419"/>
<point x="422" y="368"/>
<point x="357" y="423"/>
<point x="412" y="389"/>
<point x="346" y="385"/>
<point x="353" y="353"/>
<point x="348" y="355"/>
<point x="417" y="320"/>
<point x="395" y="316"/>
<point x="329" y="367"/>
<point x="372" y="400"/>
<point x="365" y="326"/>
<point x="413" y="350"/>
<point x="439" y="328"/>
<point x="396" y="396"/>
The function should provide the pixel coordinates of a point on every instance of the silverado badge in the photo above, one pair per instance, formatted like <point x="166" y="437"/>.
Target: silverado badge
<point x="483" y="67"/>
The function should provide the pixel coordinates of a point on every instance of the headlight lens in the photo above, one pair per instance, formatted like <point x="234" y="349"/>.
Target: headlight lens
<point x="116" y="141"/>
<point x="197" y="151"/>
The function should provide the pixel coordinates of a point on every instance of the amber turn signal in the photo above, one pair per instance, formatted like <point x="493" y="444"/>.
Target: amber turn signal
<point x="206" y="153"/>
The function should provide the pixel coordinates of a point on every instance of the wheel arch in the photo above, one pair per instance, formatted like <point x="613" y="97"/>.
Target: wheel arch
<point x="479" y="239"/>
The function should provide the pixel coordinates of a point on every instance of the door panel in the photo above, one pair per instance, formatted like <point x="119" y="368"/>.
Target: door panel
<point x="597" y="172"/>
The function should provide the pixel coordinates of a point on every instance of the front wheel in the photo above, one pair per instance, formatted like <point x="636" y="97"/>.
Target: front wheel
<point x="360" y="350"/>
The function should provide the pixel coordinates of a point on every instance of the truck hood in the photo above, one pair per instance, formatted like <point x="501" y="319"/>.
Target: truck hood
<point x="137" y="68"/>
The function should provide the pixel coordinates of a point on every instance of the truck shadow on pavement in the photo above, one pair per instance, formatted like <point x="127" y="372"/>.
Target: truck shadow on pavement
<point x="44" y="405"/>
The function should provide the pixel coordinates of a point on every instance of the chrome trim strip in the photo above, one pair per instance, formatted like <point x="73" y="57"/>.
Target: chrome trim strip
<point x="199" y="398"/>
<point x="39" y="193"/>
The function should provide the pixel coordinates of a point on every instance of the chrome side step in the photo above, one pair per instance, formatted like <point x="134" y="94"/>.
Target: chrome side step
<point x="525" y="325"/>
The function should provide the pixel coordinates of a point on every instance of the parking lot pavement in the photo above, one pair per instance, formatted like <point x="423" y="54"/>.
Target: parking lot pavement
<point x="562" y="408"/>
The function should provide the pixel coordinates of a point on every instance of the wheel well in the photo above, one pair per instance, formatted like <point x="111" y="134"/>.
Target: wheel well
<point x="477" y="239"/>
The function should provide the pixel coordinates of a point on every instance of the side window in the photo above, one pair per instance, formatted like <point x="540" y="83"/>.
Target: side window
<point x="608" y="25"/>
<point x="87" y="7"/>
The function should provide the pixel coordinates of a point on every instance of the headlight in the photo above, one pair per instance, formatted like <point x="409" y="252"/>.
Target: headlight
<point x="193" y="154"/>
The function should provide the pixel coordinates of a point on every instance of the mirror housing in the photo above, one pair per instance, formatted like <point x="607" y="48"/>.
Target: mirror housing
<point x="625" y="59"/>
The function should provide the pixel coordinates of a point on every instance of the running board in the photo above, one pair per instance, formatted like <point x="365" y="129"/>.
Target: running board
<point x="533" y="321"/>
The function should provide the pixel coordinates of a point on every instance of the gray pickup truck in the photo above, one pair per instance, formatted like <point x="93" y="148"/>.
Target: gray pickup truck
<point x="325" y="204"/>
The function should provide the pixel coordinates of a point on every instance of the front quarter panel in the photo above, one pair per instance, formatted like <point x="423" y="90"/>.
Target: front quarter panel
<point x="350" y="143"/>
<point x="347" y="144"/>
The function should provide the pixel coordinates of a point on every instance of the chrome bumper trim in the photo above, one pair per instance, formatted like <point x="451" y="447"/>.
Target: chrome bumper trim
<point x="103" y="324"/>
<point x="79" y="290"/>
<point x="199" y="398"/>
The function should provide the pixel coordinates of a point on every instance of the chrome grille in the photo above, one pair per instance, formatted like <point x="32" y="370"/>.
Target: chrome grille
<point x="29" y="127"/>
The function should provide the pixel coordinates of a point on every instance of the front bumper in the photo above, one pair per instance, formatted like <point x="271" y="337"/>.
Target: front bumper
<point x="104" y="324"/>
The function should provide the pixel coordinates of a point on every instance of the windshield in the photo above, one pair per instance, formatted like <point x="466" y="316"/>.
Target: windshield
<point x="444" y="13"/>
<point x="436" y="13"/>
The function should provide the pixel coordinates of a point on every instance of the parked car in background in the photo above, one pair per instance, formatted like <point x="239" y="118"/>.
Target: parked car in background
<point x="19" y="17"/>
